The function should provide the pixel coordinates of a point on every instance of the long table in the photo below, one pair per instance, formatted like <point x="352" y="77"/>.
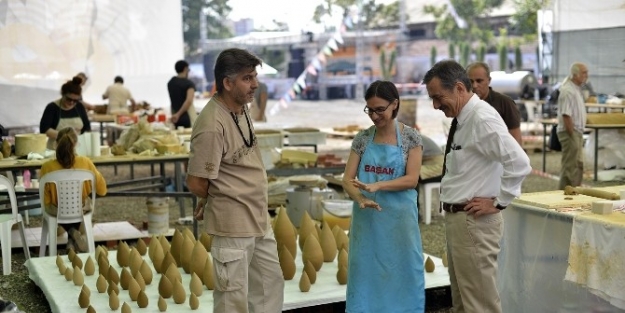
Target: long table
<point x="62" y="295"/>
<point x="593" y="127"/>
<point x="564" y="260"/>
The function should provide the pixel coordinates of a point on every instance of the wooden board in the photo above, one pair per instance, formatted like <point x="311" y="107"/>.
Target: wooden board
<point x="556" y="200"/>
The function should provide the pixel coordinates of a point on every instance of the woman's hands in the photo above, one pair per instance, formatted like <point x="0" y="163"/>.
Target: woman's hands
<point x="363" y="201"/>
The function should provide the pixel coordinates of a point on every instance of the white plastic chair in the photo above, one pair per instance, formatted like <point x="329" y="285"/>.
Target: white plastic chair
<point x="69" y="186"/>
<point x="428" y="200"/>
<point x="6" y="223"/>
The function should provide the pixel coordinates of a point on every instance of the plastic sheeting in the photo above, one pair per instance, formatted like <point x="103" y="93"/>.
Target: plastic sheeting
<point x="533" y="263"/>
<point x="45" y="43"/>
<point x="611" y="153"/>
<point x="582" y="14"/>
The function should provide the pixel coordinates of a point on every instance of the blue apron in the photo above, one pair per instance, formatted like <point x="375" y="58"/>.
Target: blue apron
<point x="385" y="271"/>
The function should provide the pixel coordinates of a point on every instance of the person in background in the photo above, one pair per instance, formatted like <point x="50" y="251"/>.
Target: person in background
<point x="68" y="111"/>
<point x="181" y="94"/>
<point x="118" y="97"/>
<point x="385" y="252"/>
<point x="84" y="78"/>
<point x="571" y="124"/>
<point x="66" y="158"/>
<point x="479" y="74"/>
<point x="483" y="171"/>
<point x="226" y="172"/>
<point x="259" y="105"/>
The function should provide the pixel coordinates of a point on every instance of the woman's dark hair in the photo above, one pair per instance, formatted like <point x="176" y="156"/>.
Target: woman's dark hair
<point x="231" y="62"/>
<point x="384" y="90"/>
<point x="72" y="86"/>
<point x="65" y="143"/>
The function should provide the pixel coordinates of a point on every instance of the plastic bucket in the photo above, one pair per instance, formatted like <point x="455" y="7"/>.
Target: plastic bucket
<point x="158" y="215"/>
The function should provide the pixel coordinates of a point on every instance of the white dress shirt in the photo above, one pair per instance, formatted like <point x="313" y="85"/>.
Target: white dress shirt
<point x="485" y="160"/>
<point x="571" y="103"/>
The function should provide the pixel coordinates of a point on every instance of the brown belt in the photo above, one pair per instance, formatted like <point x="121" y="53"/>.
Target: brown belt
<point x="453" y="208"/>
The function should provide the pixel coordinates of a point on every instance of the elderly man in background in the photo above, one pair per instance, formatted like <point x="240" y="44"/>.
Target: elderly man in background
<point x="571" y="123"/>
<point x="479" y="74"/>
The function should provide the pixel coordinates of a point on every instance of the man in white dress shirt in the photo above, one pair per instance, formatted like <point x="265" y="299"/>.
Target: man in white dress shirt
<point x="485" y="167"/>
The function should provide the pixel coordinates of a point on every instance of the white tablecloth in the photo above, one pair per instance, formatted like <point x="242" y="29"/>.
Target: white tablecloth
<point x="597" y="255"/>
<point x="63" y="295"/>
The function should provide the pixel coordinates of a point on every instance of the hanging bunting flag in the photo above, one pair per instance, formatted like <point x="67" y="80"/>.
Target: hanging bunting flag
<point x="315" y="63"/>
<point x="301" y="80"/>
<point x="338" y="38"/>
<point x="332" y="44"/>
<point x="327" y="51"/>
<point x="321" y="57"/>
<point x="297" y="88"/>
<point x="312" y="70"/>
<point x="291" y="93"/>
<point x="283" y="104"/>
<point x="287" y="98"/>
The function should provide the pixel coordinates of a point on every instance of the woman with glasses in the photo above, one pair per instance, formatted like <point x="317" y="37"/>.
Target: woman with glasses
<point x="385" y="270"/>
<point x="68" y="111"/>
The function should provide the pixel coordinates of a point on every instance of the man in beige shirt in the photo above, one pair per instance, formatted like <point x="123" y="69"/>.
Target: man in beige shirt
<point x="227" y="173"/>
<point x="118" y="97"/>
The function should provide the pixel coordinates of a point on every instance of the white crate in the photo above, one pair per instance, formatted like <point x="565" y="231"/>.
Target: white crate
<point x="269" y="138"/>
<point x="306" y="138"/>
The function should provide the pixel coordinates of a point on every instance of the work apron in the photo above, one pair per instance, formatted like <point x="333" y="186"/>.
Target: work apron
<point x="385" y="271"/>
<point x="74" y="122"/>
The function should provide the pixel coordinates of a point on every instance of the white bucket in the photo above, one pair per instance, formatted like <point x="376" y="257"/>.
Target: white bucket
<point x="158" y="215"/>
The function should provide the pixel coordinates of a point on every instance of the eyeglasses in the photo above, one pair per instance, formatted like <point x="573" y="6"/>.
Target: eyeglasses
<point x="378" y="111"/>
<point x="72" y="100"/>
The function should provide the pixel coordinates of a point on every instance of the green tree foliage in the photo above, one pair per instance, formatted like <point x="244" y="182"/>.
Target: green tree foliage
<point x="215" y="11"/>
<point x="465" y="53"/>
<point x="524" y="20"/>
<point x="503" y="57"/>
<point x="452" y="51"/>
<point x="472" y="12"/>
<point x="481" y="53"/>
<point x="518" y="58"/>
<point x="433" y="56"/>
<point x="373" y="14"/>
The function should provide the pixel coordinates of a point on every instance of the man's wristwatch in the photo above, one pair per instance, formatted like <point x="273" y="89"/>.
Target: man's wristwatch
<point x="498" y="205"/>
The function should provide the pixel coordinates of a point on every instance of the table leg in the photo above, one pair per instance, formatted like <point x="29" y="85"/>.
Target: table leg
<point x="544" y="148"/>
<point x="596" y="152"/>
<point x="102" y="133"/>
<point x="132" y="171"/>
<point x="195" y="227"/>
<point x="178" y="174"/>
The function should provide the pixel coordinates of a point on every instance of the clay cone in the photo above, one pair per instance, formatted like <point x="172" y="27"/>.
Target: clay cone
<point x="62" y="268"/>
<point x="304" y="283"/>
<point x="77" y="277"/>
<point x="113" y="276"/>
<point x="142" y="247"/>
<point x="343" y="258"/>
<point x="176" y="246"/>
<point x="112" y="288"/>
<point x="207" y="277"/>
<point x="312" y="252"/>
<point x="158" y="259"/>
<point x="164" y="243"/>
<point x="86" y="289"/>
<point x="167" y="261"/>
<point x="287" y="263"/>
<point x="69" y="274"/>
<point x="444" y="258"/>
<point x="306" y="228"/>
<point x="179" y="293"/>
<point x="133" y="289"/>
<point x="162" y="305"/>
<point x="139" y="279"/>
<point x="100" y="250"/>
<point x="189" y="234"/>
<point x="123" y="253"/>
<point x="103" y="266"/>
<point x="113" y="301"/>
<point x="342" y="241"/>
<point x="341" y="275"/>
<point x="429" y="265"/>
<point x="165" y="287"/>
<point x="71" y="254"/>
<point x="90" y="309"/>
<point x="142" y="300"/>
<point x="124" y="279"/>
<point x="101" y="284"/>
<point x="310" y="271"/>
<point x="89" y="266"/>
<point x="206" y="240"/>
<point x="146" y="272"/>
<point x="186" y="254"/>
<point x="126" y="308"/>
<point x="77" y="262"/>
<point x="151" y="246"/>
<point x="135" y="261"/>
<point x="195" y="285"/>
<point x="285" y="232"/>
<point x="194" y="302"/>
<point x="83" y="299"/>
<point x="328" y="244"/>
<point x="173" y="274"/>
<point x="199" y="256"/>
